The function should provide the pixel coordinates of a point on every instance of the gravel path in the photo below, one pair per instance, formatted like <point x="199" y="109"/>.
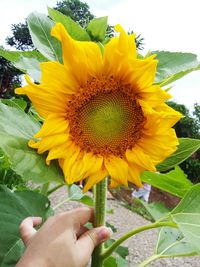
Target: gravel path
<point x="140" y="246"/>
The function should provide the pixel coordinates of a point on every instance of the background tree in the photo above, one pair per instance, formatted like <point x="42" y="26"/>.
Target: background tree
<point x="21" y="38"/>
<point x="189" y="126"/>
<point x="9" y="78"/>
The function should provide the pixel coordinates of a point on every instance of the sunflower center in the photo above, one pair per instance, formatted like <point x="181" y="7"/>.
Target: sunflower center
<point x="107" y="120"/>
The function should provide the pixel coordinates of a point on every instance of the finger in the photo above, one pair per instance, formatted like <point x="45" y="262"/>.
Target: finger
<point x="92" y="238"/>
<point x="81" y="231"/>
<point x="79" y="216"/>
<point x="26" y="228"/>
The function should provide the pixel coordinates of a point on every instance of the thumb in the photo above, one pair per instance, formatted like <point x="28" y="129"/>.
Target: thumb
<point x="92" y="238"/>
<point x="27" y="230"/>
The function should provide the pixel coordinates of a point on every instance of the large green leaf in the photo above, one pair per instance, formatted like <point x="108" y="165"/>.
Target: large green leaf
<point x="73" y="28"/>
<point x="40" y="29"/>
<point x="15" y="102"/>
<point x="26" y="61"/>
<point x="187" y="216"/>
<point x="174" y="182"/>
<point x="14" y="207"/>
<point x="75" y="194"/>
<point x="172" y="243"/>
<point x="16" y="128"/>
<point x="174" y="65"/>
<point x="115" y="262"/>
<point x="97" y="28"/>
<point x="156" y="209"/>
<point x="4" y="161"/>
<point x="186" y="148"/>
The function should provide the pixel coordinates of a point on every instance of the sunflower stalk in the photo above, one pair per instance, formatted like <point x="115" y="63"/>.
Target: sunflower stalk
<point x="100" y="193"/>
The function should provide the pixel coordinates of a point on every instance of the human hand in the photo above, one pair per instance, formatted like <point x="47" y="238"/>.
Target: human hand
<point x="62" y="241"/>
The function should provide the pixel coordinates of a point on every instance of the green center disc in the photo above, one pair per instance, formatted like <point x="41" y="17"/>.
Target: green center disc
<point x="107" y="118"/>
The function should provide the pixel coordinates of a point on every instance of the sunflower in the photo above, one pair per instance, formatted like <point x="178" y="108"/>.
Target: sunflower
<point x="103" y="114"/>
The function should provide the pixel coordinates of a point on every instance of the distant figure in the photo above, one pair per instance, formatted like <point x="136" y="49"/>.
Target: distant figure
<point x="142" y="192"/>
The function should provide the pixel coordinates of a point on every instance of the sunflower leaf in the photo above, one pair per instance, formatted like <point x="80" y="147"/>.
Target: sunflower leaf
<point x="75" y="194"/>
<point x="97" y="29"/>
<point x="174" y="182"/>
<point x="187" y="216"/>
<point x="186" y="148"/>
<point x="26" y="61"/>
<point x="14" y="207"/>
<point x="73" y="28"/>
<point x="40" y="29"/>
<point x="115" y="262"/>
<point x="172" y="243"/>
<point x="13" y="141"/>
<point x="15" y="102"/>
<point x="174" y="65"/>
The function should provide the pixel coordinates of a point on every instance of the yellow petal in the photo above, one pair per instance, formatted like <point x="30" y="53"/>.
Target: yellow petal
<point x="92" y="163"/>
<point x="117" y="169"/>
<point x="134" y="174"/>
<point x="45" y="101"/>
<point x="54" y="124"/>
<point x="49" y="142"/>
<point x="58" y="78"/>
<point x="94" y="179"/>
<point x="113" y="183"/>
<point x="80" y="58"/>
<point x="118" y="53"/>
<point x="138" y="156"/>
<point x="69" y="162"/>
<point x="143" y="73"/>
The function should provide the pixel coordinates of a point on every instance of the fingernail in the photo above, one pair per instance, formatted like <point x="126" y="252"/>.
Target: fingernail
<point x="105" y="233"/>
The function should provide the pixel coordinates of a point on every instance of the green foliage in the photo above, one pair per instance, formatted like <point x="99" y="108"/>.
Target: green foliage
<point x="40" y="29"/>
<point x="174" y="182"/>
<point x="7" y="176"/>
<point x="26" y="61"/>
<point x="120" y="259"/>
<point x="138" y="206"/>
<point x="15" y="102"/>
<point x="189" y="126"/>
<point x="187" y="216"/>
<point x="14" y="207"/>
<point x="75" y="194"/>
<point x="76" y="10"/>
<point x="73" y="28"/>
<point x="172" y="243"/>
<point x="13" y="141"/>
<point x="9" y="77"/>
<point x="115" y="262"/>
<point x="97" y="29"/>
<point x="174" y="65"/>
<point x="155" y="209"/>
<point x="186" y="148"/>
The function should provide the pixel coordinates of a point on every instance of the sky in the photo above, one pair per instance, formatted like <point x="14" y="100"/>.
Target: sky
<point x="170" y="25"/>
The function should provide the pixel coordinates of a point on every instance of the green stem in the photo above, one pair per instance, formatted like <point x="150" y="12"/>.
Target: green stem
<point x="54" y="189"/>
<point x="148" y="260"/>
<point x="100" y="194"/>
<point x="107" y="252"/>
<point x="44" y="189"/>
